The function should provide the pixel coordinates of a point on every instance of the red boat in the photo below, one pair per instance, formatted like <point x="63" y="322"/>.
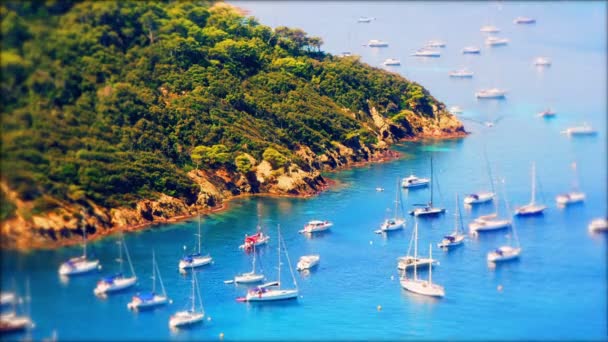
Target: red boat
<point x="256" y="239"/>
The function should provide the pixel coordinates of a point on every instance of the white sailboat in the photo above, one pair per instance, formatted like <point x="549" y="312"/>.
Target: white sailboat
<point x="583" y="130"/>
<point x="456" y="238"/>
<point x="531" y="208"/>
<point x="117" y="281"/>
<point x="80" y="264"/>
<point x="482" y="196"/>
<point x="192" y="316"/>
<point x="506" y="252"/>
<point x="396" y="222"/>
<point x="249" y="277"/>
<point x="574" y="196"/>
<point x="148" y="300"/>
<point x="268" y="292"/>
<point x="423" y="287"/>
<point x="428" y="209"/>
<point x="413" y="261"/>
<point x="13" y="321"/>
<point x="195" y="259"/>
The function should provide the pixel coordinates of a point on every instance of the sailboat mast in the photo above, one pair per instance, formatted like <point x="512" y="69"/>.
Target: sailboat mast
<point x="431" y="203"/>
<point x="431" y="263"/>
<point x="279" y="251"/>
<point x="575" y="182"/>
<point x="193" y="298"/>
<point x="199" y="234"/>
<point x="416" y="250"/>
<point x="459" y="214"/>
<point x="397" y="199"/>
<point x="533" y="183"/>
<point x="162" y="286"/>
<point x="456" y="214"/>
<point x="489" y="169"/>
<point x="153" y="272"/>
<point x="253" y="262"/>
<point x="200" y="298"/>
<point x="120" y="243"/>
<point x="84" y="236"/>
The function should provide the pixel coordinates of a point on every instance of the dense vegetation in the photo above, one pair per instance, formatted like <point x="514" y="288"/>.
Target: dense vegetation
<point x="112" y="102"/>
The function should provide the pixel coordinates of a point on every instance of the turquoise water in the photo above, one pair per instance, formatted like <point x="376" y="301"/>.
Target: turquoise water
<point x="556" y="291"/>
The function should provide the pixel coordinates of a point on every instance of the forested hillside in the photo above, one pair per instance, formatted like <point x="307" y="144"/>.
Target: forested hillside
<point x="136" y="111"/>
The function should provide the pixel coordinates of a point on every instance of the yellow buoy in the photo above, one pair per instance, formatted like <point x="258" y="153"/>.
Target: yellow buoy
<point x="221" y="336"/>
<point x="379" y="308"/>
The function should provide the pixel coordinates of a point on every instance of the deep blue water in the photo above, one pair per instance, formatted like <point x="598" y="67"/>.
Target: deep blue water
<point x="556" y="291"/>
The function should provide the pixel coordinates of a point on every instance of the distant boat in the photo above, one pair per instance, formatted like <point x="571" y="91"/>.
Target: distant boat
<point x="148" y="300"/>
<point x="456" y="238"/>
<point x="379" y="189"/>
<point x="547" y="113"/>
<point x="413" y="261"/>
<point x="542" y="61"/>
<point x="392" y="61"/>
<point x="574" y="196"/>
<point x="377" y="43"/>
<point x="412" y="181"/>
<point x="397" y="222"/>
<point x="12" y="321"/>
<point x="80" y="264"/>
<point x="193" y="316"/>
<point x="473" y="50"/>
<point x="266" y="292"/>
<point x="489" y="29"/>
<point x="455" y="110"/>
<point x="436" y="43"/>
<point x="492" y="221"/>
<point x="249" y="277"/>
<point x="424" y="52"/>
<point x="531" y="208"/>
<point x="423" y="287"/>
<point x="428" y="209"/>
<point x="506" y="252"/>
<point x="307" y="262"/>
<point x="524" y="20"/>
<point x="598" y="225"/>
<point x="117" y="281"/>
<point x="365" y="19"/>
<point x="316" y="226"/>
<point x="195" y="259"/>
<point x="345" y="54"/>
<point x="482" y="196"/>
<point x="496" y="41"/>
<point x="7" y="298"/>
<point x="583" y="130"/>
<point x="462" y="73"/>
<point x="256" y="239"/>
<point x="493" y="93"/>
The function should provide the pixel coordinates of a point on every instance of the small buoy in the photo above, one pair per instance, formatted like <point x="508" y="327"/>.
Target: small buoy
<point x="392" y="277"/>
<point x="221" y="336"/>
<point x="99" y="267"/>
<point x="371" y="242"/>
<point x="209" y="319"/>
<point x="170" y="301"/>
<point x="499" y="288"/>
<point x="379" y="307"/>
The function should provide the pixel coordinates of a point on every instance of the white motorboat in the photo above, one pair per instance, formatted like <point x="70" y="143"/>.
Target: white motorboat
<point x="377" y="43"/>
<point x="435" y="43"/>
<point x="193" y="315"/>
<point x="424" y="52"/>
<point x="427" y="209"/>
<point x="462" y="73"/>
<point x="542" y="61"/>
<point x="80" y="264"/>
<point x="148" y="300"/>
<point x="598" y="225"/>
<point x="504" y="253"/>
<point x="419" y="286"/>
<point x="583" y="130"/>
<point x="412" y="181"/>
<point x="456" y="238"/>
<point x="117" y="281"/>
<point x="479" y="197"/>
<point x="524" y="20"/>
<point x="574" y="196"/>
<point x="255" y="240"/>
<point x="496" y="41"/>
<point x="493" y="93"/>
<point x="197" y="259"/>
<point x="455" y="110"/>
<point x="489" y="29"/>
<point x="249" y="277"/>
<point x="316" y="226"/>
<point x="547" y="113"/>
<point x="365" y="19"/>
<point x="531" y="208"/>
<point x="392" y="62"/>
<point x="471" y="50"/>
<point x="267" y="292"/>
<point x="307" y="262"/>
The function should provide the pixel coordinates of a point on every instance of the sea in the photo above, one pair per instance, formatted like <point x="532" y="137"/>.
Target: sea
<point x="555" y="291"/>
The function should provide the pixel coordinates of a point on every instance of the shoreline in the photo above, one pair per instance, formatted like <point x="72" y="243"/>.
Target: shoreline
<point x="387" y="156"/>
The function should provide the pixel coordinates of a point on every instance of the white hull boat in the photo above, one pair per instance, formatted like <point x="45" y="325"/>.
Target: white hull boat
<point x="504" y="253"/>
<point x="580" y="131"/>
<point x="530" y="210"/>
<point x="186" y="318"/>
<point x="427" y="211"/>
<point x="478" y="198"/>
<point x="423" y="287"/>
<point x="316" y="226"/>
<point x="547" y="114"/>
<point x="488" y="223"/>
<point x="570" y="198"/>
<point x="463" y="73"/>
<point x="7" y="298"/>
<point x="377" y="43"/>
<point x="471" y="50"/>
<point x="598" y="225"/>
<point x="414" y="182"/>
<point x="78" y="265"/>
<point x="495" y="41"/>
<point x="392" y="62"/>
<point x="194" y="260"/>
<point x="410" y="262"/>
<point x="146" y="301"/>
<point x="493" y="93"/>
<point x="392" y="224"/>
<point x="524" y="20"/>
<point x="456" y="238"/>
<point x="248" y="278"/>
<point x="265" y="295"/>
<point x="489" y="29"/>
<point x="542" y="61"/>
<point x="114" y="284"/>
<point x="14" y="323"/>
<point x="307" y="262"/>
<point x="455" y="110"/>
<point x="436" y="44"/>
<point x="427" y="53"/>
<point x="365" y="20"/>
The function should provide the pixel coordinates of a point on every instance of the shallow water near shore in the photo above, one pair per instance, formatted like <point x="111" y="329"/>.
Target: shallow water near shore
<point x="557" y="290"/>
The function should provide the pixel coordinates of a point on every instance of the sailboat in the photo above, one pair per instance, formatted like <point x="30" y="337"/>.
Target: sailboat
<point x="152" y="299"/>
<point x="575" y="196"/>
<point x="249" y="277"/>
<point x="267" y="292"/>
<point x="195" y="259"/>
<point x="409" y="261"/>
<point x="80" y="264"/>
<point x="456" y="238"/>
<point x="427" y="209"/>
<point x="396" y="222"/>
<point x="117" y="281"/>
<point x="192" y="316"/>
<point x="13" y="322"/>
<point x="483" y="196"/>
<point x="531" y="208"/>
<point x="423" y="287"/>
<point x="506" y="252"/>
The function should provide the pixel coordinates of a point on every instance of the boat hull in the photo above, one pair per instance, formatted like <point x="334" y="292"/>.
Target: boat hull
<point x="423" y="287"/>
<point x="508" y="254"/>
<point x="570" y="198"/>
<point x="598" y="225"/>
<point x="185" y="319"/>
<point x="80" y="267"/>
<point x="406" y="263"/>
<point x="530" y="210"/>
<point x="421" y="212"/>
<point x="308" y="262"/>
<point x="196" y="262"/>
<point x="488" y="225"/>
<point x="271" y="295"/>
<point x="396" y="225"/>
<point x="479" y="198"/>
<point x="445" y="243"/>
<point x="248" y="278"/>
<point x="117" y="285"/>
<point x="138" y="305"/>
<point x="15" y="323"/>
